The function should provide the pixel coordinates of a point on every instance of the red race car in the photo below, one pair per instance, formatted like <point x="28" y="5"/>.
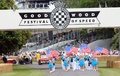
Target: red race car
<point x="13" y="61"/>
<point x="43" y="60"/>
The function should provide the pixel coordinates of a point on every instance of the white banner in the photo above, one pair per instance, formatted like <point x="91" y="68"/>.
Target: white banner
<point x="77" y="18"/>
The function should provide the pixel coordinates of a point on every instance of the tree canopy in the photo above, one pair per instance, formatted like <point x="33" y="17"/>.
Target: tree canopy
<point x="92" y="3"/>
<point x="6" y="4"/>
<point x="12" y="40"/>
<point x="115" y="40"/>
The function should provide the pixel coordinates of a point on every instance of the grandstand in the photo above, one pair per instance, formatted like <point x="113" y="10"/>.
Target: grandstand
<point x="35" y="4"/>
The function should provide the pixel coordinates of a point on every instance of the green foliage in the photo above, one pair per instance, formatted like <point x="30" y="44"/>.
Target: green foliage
<point x="13" y="40"/>
<point x="83" y="32"/>
<point x="6" y="4"/>
<point x="104" y="33"/>
<point x="72" y="3"/>
<point x="115" y="40"/>
<point x="22" y="70"/>
<point x="91" y="3"/>
<point x="106" y="71"/>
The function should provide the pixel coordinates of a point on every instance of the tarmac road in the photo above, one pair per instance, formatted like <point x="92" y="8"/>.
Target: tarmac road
<point x="60" y="72"/>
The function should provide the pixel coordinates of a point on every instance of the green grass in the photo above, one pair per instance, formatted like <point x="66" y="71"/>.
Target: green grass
<point x="106" y="71"/>
<point x="22" y="70"/>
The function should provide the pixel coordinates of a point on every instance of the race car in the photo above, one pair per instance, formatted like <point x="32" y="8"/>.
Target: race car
<point x="13" y="61"/>
<point x="25" y="60"/>
<point x="43" y="60"/>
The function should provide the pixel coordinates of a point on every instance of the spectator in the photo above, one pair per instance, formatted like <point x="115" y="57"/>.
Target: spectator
<point x="37" y="56"/>
<point x="4" y="58"/>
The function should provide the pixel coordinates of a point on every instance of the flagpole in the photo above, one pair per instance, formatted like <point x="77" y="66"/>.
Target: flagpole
<point x="100" y="5"/>
<point x="105" y="4"/>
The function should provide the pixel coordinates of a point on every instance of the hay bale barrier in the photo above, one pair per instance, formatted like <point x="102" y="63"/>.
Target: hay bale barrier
<point x="6" y="67"/>
<point x="107" y="57"/>
<point x="116" y="64"/>
<point x="112" y="61"/>
<point x="13" y="57"/>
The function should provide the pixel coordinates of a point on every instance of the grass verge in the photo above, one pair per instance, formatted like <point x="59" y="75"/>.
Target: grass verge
<point x="22" y="70"/>
<point x="106" y="71"/>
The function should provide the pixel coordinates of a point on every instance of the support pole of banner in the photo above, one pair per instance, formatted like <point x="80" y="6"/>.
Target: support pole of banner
<point x="58" y="38"/>
<point x="119" y="41"/>
<point x="36" y="39"/>
<point x="62" y="38"/>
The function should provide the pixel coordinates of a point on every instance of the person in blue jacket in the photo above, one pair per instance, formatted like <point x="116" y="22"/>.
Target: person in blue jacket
<point x="94" y="63"/>
<point x="81" y="63"/>
<point x="50" y="65"/>
<point x="65" y="63"/>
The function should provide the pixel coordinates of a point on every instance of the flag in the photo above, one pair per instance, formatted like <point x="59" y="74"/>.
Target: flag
<point x="93" y="53"/>
<point x="101" y="50"/>
<point x="73" y="49"/>
<point x="82" y="46"/>
<point x="50" y="56"/>
<point x="48" y="51"/>
<point x="67" y="48"/>
<point x="98" y="50"/>
<point x="85" y="48"/>
<point x="54" y="53"/>
<point x="104" y="51"/>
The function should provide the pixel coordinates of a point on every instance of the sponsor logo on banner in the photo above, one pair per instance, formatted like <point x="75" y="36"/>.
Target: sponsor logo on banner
<point x="60" y="17"/>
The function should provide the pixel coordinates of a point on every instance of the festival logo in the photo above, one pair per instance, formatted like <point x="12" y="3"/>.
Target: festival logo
<point x="60" y="17"/>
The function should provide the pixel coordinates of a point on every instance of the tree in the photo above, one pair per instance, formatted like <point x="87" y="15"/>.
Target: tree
<point x="115" y="40"/>
<point x="6" y="4"/>
<point x="92" y="3"/>
<point x="12" y="40"/>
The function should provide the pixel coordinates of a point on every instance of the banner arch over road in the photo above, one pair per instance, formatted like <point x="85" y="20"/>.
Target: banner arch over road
<point x="79" y="18"/>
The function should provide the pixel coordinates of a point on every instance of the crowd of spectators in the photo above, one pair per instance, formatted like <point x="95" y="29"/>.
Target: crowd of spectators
<point x="42" y="40"/>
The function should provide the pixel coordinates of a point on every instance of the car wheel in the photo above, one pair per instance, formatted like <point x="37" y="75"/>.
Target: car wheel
<point x="21" y="62"/>
<point x="14" y="62"/>
<point x="31" y="61"/>
<point x="39" y="63"/>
